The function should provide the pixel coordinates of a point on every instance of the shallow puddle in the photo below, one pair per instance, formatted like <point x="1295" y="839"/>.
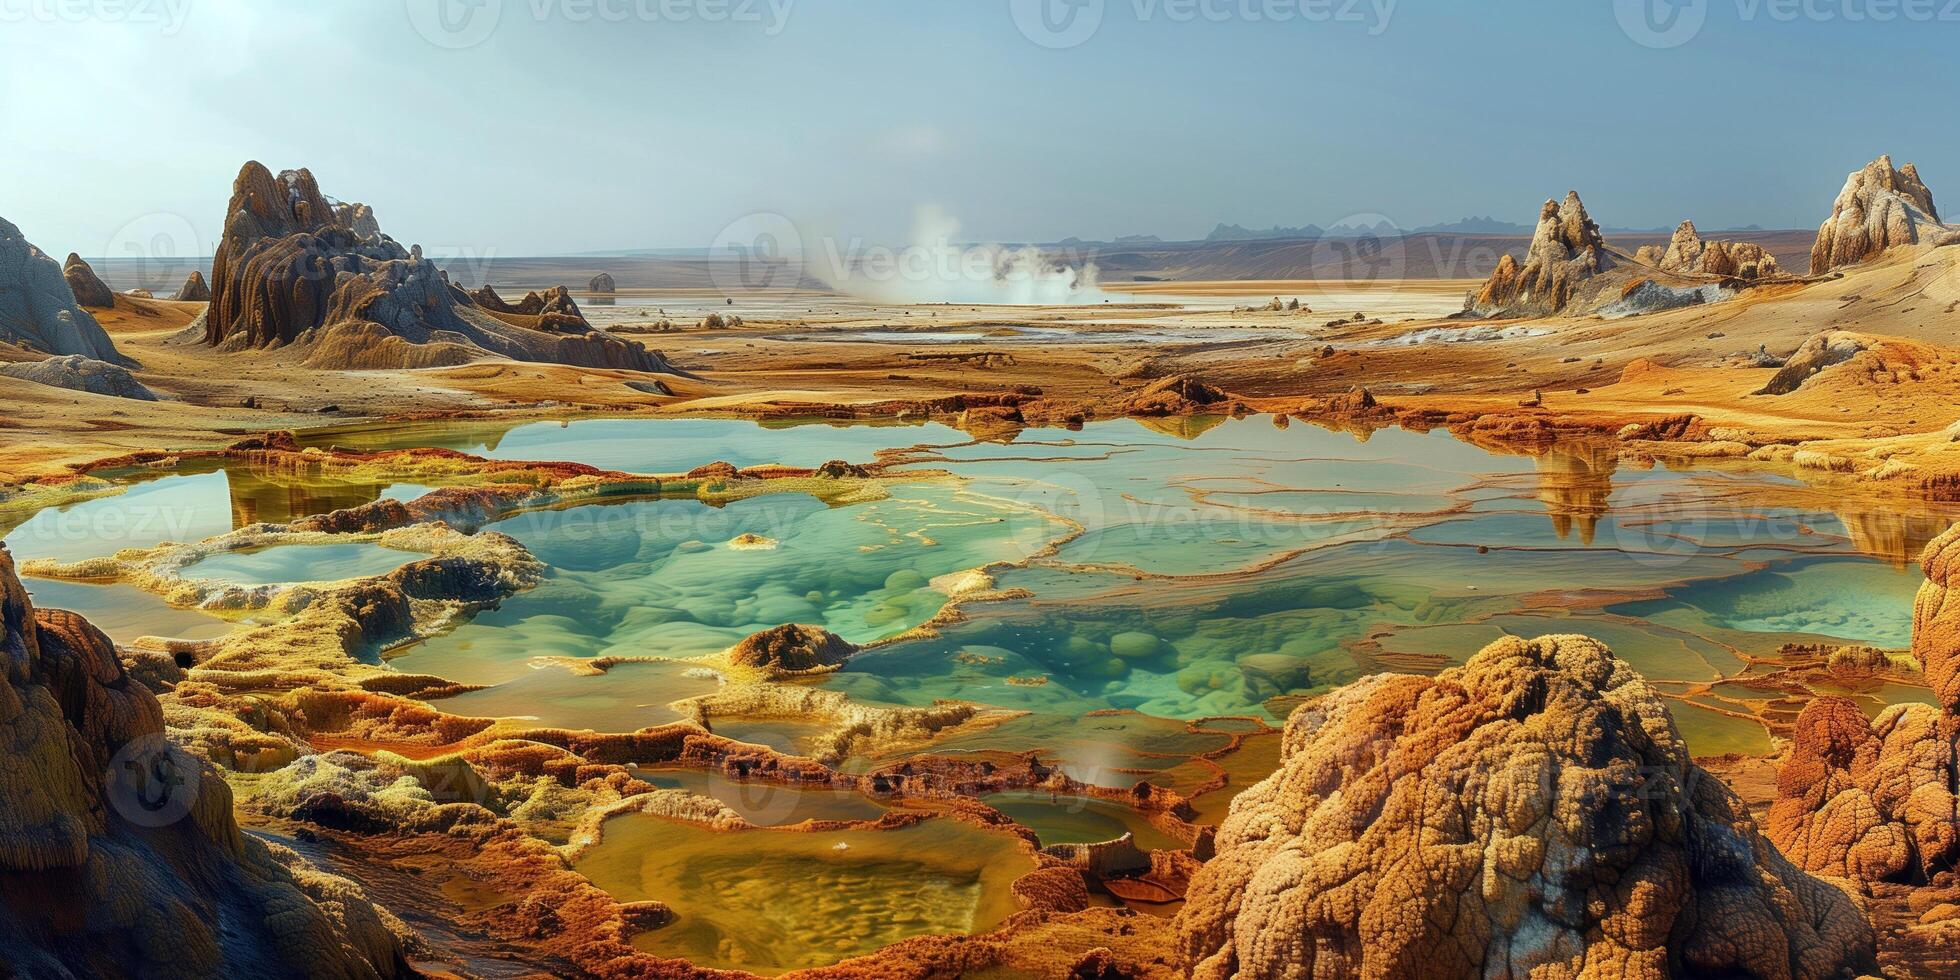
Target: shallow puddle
<point x="294" y="563"/>
<point x="770" y="901"/>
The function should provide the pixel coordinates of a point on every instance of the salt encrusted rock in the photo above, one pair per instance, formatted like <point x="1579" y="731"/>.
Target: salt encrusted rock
<point x="1566" y="249"/>
<point x="77" y="373"/>
<point x="38" y="309"/>
<point x="1533" y="812"/>
<point x="1879" y="208"/>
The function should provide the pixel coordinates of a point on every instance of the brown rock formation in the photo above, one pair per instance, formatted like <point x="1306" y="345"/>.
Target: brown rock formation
<point x="1688" y="253"/>
<point x="1879" y="800"/>
<point x="118" y="851"/>
<point x="1566" y="250"/>
<point x="89" y="289"/>
<point x="194" y="289"/>
<point x="791" y="647"/>
<point x="292" y="268"/>
<point x="1532" y="812"/>
<point x="1177" y="395"/>
<point x="1879" y="208"/>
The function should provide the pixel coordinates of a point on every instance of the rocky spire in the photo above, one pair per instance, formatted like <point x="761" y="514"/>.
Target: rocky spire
<point x="1880" y="207"/>
<point x="89" y="289"/>
<point x="1566" y="249"/>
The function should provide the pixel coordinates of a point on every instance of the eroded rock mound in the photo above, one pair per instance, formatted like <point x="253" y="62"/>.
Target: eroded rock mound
<point x="38" y="309"/>
<point x="1566" y="250"/>
<point x="792" y="647"/>
<point x="194" y="289"/>
<point x="601" y="283"/>
<point x="1880" y="207"/>
<point x="119" y="855"/>
<point x="78" y="373"/>
<point x="1687" y="253"/>
<point x="1532" y="812"/>
<point x="294" y="268"/>
<point x="1879" y="800"/>
<point x="89" y="289"/>
<point x="1177" y="395"/>
<point x="1822" y="351"/>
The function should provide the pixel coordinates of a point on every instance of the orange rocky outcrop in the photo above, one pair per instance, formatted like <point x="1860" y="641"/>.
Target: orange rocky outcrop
<point x="119" y="855"/>
<point x="1879" y="800"/>
<point x="1533" y="812"/>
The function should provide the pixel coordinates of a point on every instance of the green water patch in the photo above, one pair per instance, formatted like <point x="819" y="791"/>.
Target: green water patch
<point x="626" y="698"/>
<point x="293" y="563"/>
<point x="771" y="901"/>
<point x="673" y="578"/>
<point x="767" y="804"/>
<point x="125" y="612"/>
<point x="1059" y="819"/>
<point x="1847" y="600"/>
<point x="651" y="446"/>
<point x="188" y="503"/>
<point x="1710" y="731"/>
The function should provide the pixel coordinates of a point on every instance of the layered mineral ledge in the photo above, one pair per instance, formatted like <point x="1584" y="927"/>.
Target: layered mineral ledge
<point x="1532" y="812"/>
<point x="119" y="855"/>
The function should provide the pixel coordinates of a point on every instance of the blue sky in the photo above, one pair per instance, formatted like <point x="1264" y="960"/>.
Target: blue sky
<point x="546" y="126"/>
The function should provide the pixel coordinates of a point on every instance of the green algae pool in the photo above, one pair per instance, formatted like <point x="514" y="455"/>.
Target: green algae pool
<point x="769" y="901"/>
<point x="1177" y="570"/>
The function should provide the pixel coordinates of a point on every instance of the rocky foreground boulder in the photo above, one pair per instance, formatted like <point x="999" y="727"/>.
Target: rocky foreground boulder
<point x="1533" y="812"/>
<point x="119" y="856"/>
<point x="1880" y="207"/>
<point x="38" y="311"/>
<point x="294" y="268"/>
<point x="77" y="373"/>
<point x="1878" y="800"/>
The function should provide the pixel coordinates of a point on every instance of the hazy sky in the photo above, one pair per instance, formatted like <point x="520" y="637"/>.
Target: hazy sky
<point x="514" y="127"/>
